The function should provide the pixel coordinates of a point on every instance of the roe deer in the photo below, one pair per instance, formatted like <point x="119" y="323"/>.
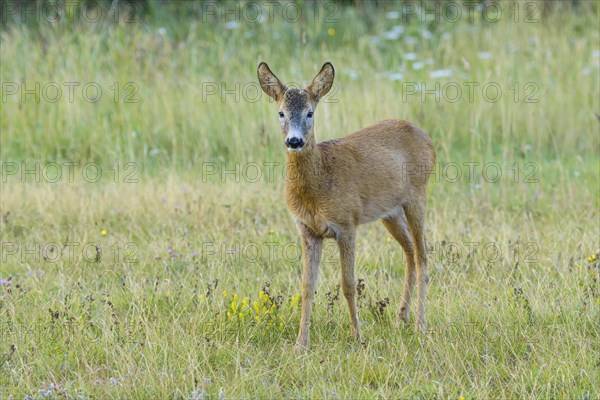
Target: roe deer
<point x="379" y="172"/>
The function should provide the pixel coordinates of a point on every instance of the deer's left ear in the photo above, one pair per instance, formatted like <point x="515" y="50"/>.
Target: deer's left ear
<point x="322" y="82"/>
<point x="269" y="83"/>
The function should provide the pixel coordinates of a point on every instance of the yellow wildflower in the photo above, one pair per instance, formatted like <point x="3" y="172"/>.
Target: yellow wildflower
<point x="295" y="300"/>
<point x="331" y="31"/>
<point x="103" y="232"/>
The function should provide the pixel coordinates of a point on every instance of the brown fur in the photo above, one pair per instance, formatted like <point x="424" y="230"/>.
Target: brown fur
<point x="379" y="172"/>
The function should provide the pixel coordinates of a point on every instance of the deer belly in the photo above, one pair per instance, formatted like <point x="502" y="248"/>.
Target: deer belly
<point x="319" y="226"/>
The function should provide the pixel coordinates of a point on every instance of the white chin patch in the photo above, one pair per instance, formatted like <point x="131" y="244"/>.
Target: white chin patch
<point x="295" y="150"/>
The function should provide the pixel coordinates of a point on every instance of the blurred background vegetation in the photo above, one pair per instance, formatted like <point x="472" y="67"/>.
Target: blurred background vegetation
<point x="154" y="8"/>
<point x="179" y="87"/>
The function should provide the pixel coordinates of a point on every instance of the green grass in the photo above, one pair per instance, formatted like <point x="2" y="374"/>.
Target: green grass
<point x="514" y="300"/>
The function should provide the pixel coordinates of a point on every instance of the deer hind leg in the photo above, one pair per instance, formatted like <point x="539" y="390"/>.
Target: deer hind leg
<point x="415" y="215"/>
<point x="346" y="245"/>
<point x="397" y="226"/>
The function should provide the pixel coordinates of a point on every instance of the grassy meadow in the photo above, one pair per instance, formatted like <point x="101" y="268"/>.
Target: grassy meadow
<point x="146" y="247"/>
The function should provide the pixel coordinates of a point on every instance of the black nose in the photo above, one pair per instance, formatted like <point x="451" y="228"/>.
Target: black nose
<point x="294" y="143"/>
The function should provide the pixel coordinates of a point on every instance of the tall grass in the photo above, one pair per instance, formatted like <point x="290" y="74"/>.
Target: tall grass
<point x="176" y="65"/>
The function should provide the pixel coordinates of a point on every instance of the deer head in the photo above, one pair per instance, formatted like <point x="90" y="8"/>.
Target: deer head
<point x="296" y="106"/>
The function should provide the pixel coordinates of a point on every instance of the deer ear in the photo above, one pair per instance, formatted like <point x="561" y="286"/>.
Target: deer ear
<point x="269" y="83"/>
<point x="322" y="82"/>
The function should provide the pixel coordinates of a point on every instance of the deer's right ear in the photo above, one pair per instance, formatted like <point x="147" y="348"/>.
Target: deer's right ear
<point x="269" y="83"/>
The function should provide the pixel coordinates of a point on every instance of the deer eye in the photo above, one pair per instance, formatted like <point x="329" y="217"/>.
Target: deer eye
<point x="310" y="114"/>
<point x="280" y="114"/>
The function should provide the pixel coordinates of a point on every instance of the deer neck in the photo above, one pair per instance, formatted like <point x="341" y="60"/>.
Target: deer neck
<point x="304" y="170"/>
